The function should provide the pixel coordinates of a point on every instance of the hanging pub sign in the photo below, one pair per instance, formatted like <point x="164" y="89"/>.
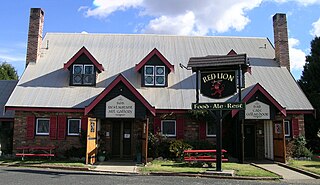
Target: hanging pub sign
<point x="218" y="84"/>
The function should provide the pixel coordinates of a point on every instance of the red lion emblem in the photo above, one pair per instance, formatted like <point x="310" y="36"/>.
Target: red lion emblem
<point x="217" y="88"/>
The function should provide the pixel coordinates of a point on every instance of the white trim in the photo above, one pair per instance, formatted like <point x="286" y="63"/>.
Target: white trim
<point x="289" y="128"/>
<point x="175" y="128"/>
<point x="84" y="68"/>
<point x="42" y="133"/>
<point x="212" y="135"/>
<point x="80" y="65"/>
<point x="164" y="76"/>
<point x="74" y="134"/>
<point x="146" y="75"/>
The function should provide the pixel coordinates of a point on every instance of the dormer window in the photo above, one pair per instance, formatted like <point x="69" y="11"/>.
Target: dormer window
<point x="154" y="70"/>
<point x="154" y="75"/>
<point x="83" y="74"/>
<point x="83" y="68"/>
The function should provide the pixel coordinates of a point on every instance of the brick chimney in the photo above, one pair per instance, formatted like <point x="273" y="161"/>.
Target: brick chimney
<point x="35" y="34"/>
<point x="281" y="40"/>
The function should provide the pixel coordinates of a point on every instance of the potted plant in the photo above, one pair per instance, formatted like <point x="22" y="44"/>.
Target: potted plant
<point x="101" y="156"/>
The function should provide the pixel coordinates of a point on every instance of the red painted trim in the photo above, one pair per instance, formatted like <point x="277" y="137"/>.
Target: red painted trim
<point x="119" y="78"/>
<point x="300" y="111"/>
<point x="84" y="50"/>
<point x="256" y="88"/>
<point x="6" y="119"/>
<point x="151" y="54"/>
<point x="43" y="109"/>
<point x="168" y="111"/>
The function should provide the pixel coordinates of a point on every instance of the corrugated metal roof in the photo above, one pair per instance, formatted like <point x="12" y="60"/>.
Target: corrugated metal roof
<point x="6" y="88"/>
<point x="46" y="84"/>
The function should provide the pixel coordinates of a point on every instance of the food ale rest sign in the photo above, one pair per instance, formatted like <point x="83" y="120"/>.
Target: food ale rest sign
<point x="218" y="84"/>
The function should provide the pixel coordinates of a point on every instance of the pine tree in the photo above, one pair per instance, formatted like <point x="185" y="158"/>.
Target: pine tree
<point x="310" y="84"/>
<point x="7" y="72"/>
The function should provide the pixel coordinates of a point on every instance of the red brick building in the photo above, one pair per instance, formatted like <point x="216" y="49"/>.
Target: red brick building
<point x="132" y="84"/>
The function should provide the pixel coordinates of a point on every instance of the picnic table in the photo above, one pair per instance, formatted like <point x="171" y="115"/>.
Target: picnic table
<point x="36" y="151"/>
<point x="203" y="155"/>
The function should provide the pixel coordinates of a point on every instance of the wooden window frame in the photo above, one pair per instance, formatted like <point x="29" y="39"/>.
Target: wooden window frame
<point x="146" y="75"/>
<point x="164" y="76"/>
<point x="207" y="134"/>
<point x="68" y="126"/>
<point x="287" y="123"/>
<point x="37" y="123"/>
<point x="175" y="128"/>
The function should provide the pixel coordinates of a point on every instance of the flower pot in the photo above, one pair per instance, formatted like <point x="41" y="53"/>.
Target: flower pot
<point x="101" y="158"/>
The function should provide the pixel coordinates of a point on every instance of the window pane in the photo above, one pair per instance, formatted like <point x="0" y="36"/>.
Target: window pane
<point x="149" y="80"/>
<point x="159" y="80"/>
<point x="149" y="70"/>
<point x="168" y="128"/>
<point x="211" y="129"/>
<point x="287" y="128"/>
<point x="88" y="69"/>
<point x="42" y="126"/>
<point x="77" y="79"/>
<point x="160" y="70"/>
<point x="74" y="126"/>
<point x="88" y="79"/>
<point x="77" y="69"/>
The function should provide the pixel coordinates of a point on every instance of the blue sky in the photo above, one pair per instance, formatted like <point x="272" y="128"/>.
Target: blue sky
<point x="248" y="18"/>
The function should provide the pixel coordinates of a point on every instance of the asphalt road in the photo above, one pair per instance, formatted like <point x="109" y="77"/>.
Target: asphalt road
<point x="35" y="176"/>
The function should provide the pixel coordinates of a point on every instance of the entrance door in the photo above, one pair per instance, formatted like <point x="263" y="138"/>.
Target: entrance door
<point x="279" y="142"/>
<point x="121" y="138"/>
<point x="91" y="151"/>
<point x="249" y="141"/>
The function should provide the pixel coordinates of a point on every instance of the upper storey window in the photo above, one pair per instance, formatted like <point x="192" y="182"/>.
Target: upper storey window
<point x="154" y="75"/>
<point x="83" y="74"/>
<point x="154" y="70"/>
<point x="83" y="68"/>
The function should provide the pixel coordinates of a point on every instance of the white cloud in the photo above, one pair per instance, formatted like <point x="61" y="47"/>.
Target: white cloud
<point x="104" y="8"/>
<point x="315" y="31"/>
<point x="297" y="56"/>
<point x="301" y="2"/>
<point x="184" y="17"/>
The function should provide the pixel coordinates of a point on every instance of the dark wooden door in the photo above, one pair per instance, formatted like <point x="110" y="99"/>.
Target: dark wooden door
<point x="279" y="148"/>
<point x="121" y="138"/>
<point x="249" y="141"/>
<point x="126" y="138"/>
<point x="116" y="128"/>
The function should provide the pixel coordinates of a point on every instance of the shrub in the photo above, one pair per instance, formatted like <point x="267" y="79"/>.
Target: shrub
<point x="177" y="147"/>
<point x="158" y="146"/>
<point x="75" y="152"/>
<point x="296" y="148"/>
<point x="201" y="145"/>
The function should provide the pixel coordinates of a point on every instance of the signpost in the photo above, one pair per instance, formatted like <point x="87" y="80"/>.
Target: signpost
<point x="218" y="108"/>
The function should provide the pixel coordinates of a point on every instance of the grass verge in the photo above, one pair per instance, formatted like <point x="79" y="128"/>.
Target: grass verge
<point x="42" y="162"/>
<point x="183" y="167"/>
<point x="311" y="166"/>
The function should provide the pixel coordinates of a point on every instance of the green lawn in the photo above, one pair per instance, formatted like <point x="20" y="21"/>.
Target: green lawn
<point x="42" y="162"/>
<point x="182" y="167"/>
<point x="311" y="166"/>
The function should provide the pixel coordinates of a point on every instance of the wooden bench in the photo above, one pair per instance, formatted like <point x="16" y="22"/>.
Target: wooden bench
<point x="203" y="155"/>
<point x="36" y="151"/>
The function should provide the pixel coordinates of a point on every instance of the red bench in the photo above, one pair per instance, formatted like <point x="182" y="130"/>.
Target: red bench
<point x="36" y="151"/>
<point x="203" y="155"/>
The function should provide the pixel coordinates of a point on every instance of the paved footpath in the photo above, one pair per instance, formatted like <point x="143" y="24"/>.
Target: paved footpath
<point x="286" y="173"/>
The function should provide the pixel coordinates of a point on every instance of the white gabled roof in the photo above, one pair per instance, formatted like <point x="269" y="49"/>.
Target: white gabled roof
<point x="46" y="83"/>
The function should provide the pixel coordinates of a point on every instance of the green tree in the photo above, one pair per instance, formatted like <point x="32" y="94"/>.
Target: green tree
<point x="310" y="84"/>
<point x="7" y="72"/>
